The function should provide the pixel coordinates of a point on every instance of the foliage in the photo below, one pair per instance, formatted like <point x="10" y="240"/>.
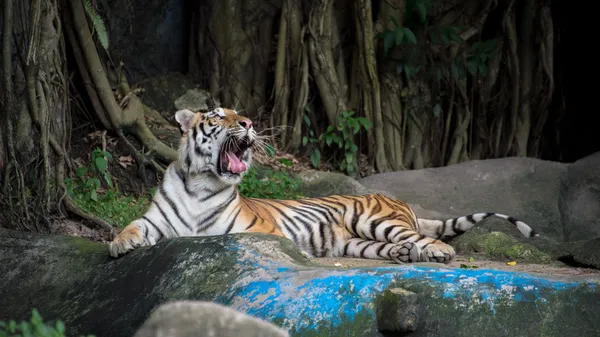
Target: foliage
<point x="34" y="328"/>
<point x="315" y="152"/>
<point x="88" y="177"/>
<point x="97" y="23"/>
<point x="342" y="135"/>
<point x="338" y="137"/>
<point x="414" y="61"/>
<point x="108" y="204"/>
<point x="270" y="184"/>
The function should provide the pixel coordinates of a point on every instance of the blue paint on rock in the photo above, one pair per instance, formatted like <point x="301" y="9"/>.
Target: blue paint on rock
<point x="301" y="298"/>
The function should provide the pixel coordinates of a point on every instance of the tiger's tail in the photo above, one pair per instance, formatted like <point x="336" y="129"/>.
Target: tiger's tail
<point x="455" y="226"/>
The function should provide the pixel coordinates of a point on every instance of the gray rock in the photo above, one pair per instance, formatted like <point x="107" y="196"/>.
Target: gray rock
<point x="321" y="184"/>
<point x="585" y="252"/>
<point x="193" y="99"/>
<point x="204" y="319"/>
<point x="397" y="310"/>
<point x="525" y="188"/>
<point x="161" y="91"/>
<point x="579" y="199"/>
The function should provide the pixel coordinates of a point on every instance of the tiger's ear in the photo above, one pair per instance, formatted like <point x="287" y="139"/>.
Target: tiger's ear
<point x="184" y="118"/>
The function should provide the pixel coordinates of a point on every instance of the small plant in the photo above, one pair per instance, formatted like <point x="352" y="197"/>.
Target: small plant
<point x="34" y="328"/>
<point x="271" y="185"/>
<point x="89" y="177"/>
<point x="109" y="204"/>
<point x="342" y="135"/>
<point x="315" y="153"/>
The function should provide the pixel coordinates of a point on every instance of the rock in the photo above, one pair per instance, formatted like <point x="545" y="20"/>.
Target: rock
<point x="525" y="188"/>
<point x="585" y="252"/>
<point x="579" y="199"/>
<point x="162" y="91"/>
<point x="266" y="277"/>
<point x="149" y="36"/>
<point x="497" y="239"/>
<point x="199" y="319"/>
<point x="193" y="99"/>
<point x="497" y="246"/>
<point x="320" y="184"/>
<point x="397" y="310"/>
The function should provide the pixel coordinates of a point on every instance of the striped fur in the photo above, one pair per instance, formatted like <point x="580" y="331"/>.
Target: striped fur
<point x="195" y="199"/>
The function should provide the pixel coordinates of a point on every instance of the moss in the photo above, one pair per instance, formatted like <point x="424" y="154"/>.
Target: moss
<point x="499" y="246"/>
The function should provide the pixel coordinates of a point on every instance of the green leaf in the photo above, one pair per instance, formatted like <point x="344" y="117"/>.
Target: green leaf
<point x="285" y="161"/>
<point x="410" y="36"/>
<point x="399" y="36"/>
<point x="364" y="122"/>
<point x="304" y="141"/>
<point x="101" y="164"/>
<point x="388" y="42"/>
<point x="93" y="195"/>
<point x="108" y="179"/>
<point x="60" y="327"/>
<point x="270" y="150"/>
<point x="454" y="36"/>
<point x="315" y="158"/>
<point x="437" y="109"/>
<point x="408" y="70"/>
<point x="483" y="69"/>
<point x="349" y="158"/>
<point x="306" y="119"/>
<point x="422" y="11"/>
<point x="454" y="70"/>
<point x="472" y="67"/>
<point x="394" y="22"/>
<point x="81" y="171"/>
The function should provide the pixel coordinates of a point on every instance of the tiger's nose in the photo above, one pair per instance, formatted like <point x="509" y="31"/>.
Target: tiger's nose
<point x="245" y="123"/>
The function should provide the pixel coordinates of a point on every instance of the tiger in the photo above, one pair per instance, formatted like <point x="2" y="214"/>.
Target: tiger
<point x="199" y="196"/>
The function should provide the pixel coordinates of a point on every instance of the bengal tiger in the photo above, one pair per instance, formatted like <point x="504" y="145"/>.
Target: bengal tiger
<point x="198" y="196"/>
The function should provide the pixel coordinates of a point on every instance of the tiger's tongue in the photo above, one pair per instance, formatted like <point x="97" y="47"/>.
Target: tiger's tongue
<point x="236" y="166"/>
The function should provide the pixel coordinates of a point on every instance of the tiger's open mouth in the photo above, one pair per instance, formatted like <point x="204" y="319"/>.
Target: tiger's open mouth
<point x="230" y="156"/>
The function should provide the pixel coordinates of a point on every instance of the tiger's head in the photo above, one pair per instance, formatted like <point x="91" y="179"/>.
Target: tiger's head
<point x="217" y="142"/>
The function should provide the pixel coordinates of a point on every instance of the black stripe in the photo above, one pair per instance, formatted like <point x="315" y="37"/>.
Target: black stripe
<point x="378" y="252"/>
<point x="471" y="219"/>
<point x="252" y="223"/>
<point x="207" y="222"/>
<point x="387" y="231"/>
<point x="443" y="230"/>
<point x="233" y="221"/>
<point x="183" y="179"/>
<point x="286" y="217"/>
<point x="162" y="235"/>
<point x="322" y="233"/>
<point x="323" y="210"/>
<point x="355" y="216"/>
<point x="173" y="206"/>
<point x="166" y="217"/>
<point x="369" y="244"/>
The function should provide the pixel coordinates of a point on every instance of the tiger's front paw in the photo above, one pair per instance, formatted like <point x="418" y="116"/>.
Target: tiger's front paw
<point x="129" y="239"/>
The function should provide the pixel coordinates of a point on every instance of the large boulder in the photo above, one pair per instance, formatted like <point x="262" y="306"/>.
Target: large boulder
<point x="265" y="277"/>
<point x="579" y="199"/>
<point x="525" y="188"/>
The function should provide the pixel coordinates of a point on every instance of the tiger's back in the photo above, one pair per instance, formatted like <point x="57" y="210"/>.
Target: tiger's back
<point x="198" y="196"/>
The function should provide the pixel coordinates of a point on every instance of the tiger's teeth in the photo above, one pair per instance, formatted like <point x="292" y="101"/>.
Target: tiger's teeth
<point x="229" y="166"/>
